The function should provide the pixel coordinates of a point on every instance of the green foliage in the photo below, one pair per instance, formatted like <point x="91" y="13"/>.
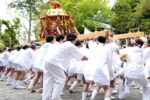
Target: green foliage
<point x="28" y="8"/>
<point x="25" y="6"/>
<point x="131" y="14"/>
<point x="85" y="11"/>
<point x="122" y="19"/>
<point x="1" y="44"/>
<point x="145" y="25"/>
<point x="142" y="15"/>
<point x="126" y="14"/>
<point x="11" y="32"/>
<point x="132" y="3"/>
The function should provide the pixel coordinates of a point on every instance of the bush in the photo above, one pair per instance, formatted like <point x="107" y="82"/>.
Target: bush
<point x="1" y="45"/>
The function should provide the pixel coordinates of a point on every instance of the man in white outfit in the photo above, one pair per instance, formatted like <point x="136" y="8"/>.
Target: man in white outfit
<point x="24" y="61"/>
<point x="147" y="59"/>
<point x="55" y="67"/>
<point x="135" y="71"/>
<point x="4" y="59"/>
<point x="40" y="62"/>
<point x="98" y="70"/>
<point x="1" y="64"/>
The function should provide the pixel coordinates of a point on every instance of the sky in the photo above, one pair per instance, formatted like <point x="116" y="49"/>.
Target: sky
<point x="111" y="3"/>
<point x="5" y="12"/>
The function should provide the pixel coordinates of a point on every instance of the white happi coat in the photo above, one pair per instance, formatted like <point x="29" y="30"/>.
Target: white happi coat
<point x="147" y="61"/>
<point x="112" y="47"/>
<point x="135" y="63"/>
<point x="92" y="44"/>
<point x="53" y="48"/>
<point x="120" y="66"/>
<point x="25" y="58"/>
<point x="97" y="66"/>
<point x="135" y="72"/>
<point x="40" y="56"/>
<point x="11" y="58"/>
<point x="78" y="66"/>
<point x="147" y="56"/>
<point x="14" y="55"/>
<point x="62" y="56"/>
<point x="4" y="58"/>
<point x="1" y="60"/>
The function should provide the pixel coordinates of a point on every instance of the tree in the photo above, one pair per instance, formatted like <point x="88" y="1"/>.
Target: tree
<point x="9" y="37"/>
<point x="1" y="44"/>
<point x="122" y="19"/>
<point x="86" y="11"/>
<point x="142" y="15"/>
<point x="82" y="10"/>
<point x="27" y="7"/>
<point x="131" y="14"/>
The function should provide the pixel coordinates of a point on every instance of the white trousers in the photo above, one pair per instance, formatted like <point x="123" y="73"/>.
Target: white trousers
<point x="142" y="81"/>
<point x="147" y="71"/>
<point x="54" y="81"/>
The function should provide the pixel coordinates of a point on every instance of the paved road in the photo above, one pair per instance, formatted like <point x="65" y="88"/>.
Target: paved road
<point x="7" y="93"/>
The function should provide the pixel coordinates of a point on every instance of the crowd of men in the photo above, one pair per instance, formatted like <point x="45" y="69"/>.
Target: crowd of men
<point x="96" y="63"/>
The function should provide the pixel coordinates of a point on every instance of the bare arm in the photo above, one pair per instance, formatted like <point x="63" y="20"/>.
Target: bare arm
<point x="75" y="29"/>
<point x="58" y="30"/>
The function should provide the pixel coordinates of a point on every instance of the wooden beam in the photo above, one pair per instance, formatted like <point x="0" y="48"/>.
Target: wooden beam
<point x="91" y="35"/>
<point x="130" y="35"/>
<point x="102" y="33"/>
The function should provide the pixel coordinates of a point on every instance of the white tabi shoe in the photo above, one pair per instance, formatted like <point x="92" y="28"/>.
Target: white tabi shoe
<point x="21" y="87"/>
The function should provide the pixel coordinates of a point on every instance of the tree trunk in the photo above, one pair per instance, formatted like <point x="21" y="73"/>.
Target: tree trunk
<point x="30" y="24"/>
<point x="30" y="20"/>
